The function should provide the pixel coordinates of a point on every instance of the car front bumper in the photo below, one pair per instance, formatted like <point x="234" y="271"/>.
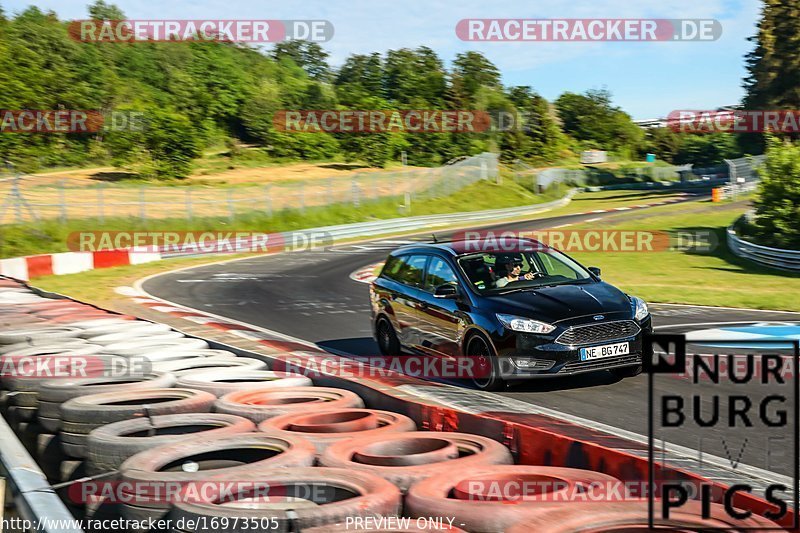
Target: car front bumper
<point x="523" y="356"/>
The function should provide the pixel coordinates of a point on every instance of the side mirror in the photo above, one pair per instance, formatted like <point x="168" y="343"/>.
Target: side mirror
<point x="447" y="291"/>
<point x="594" y="270"/>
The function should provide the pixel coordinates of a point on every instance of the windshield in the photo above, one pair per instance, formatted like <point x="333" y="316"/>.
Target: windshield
<point x="501" y="272"/>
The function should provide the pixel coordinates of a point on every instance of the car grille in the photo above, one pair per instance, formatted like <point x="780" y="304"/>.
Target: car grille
<point x="600" y="364"/>
<point x="594" y="333"/>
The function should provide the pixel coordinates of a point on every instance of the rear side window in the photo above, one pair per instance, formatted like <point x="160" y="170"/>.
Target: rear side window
<point x="413" y="270"/>
<point x="407" y="269"/>
<point x="392" y="267"/>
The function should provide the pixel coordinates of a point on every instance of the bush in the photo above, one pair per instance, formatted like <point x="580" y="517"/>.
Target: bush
<point x="777" y="221"/>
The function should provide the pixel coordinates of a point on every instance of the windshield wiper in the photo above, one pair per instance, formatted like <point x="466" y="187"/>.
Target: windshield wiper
<point x="536" y="287"/>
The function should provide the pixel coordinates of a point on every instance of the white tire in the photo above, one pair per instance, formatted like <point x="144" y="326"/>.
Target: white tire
<point x="130" y="336"/>
<point x="146" y="346"/>
<point x="23" y="334"/>
<point x="141" y="326"/>
<point x="221" y="382"/>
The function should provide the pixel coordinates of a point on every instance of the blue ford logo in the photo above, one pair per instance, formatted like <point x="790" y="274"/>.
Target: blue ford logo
<point x="598" y="317"/>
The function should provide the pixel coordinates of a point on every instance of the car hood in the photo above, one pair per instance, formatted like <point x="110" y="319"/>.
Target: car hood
<point x="563" y="302"/>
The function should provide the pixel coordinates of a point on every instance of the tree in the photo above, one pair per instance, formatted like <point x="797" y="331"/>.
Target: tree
<point x="705" y="150"/>
<point x="592" y="119"/>
<point x="307" y="55"/>
<point x="471" y="71"/>
<point x="414" y="77"/>
<point x="536" y="134"/>
<point x="163" y="148"/>
<point x="663" y="142"/>
<point x="102" y="11"/>
<point x="360" y="77"/>
<point x="773" y="71"/>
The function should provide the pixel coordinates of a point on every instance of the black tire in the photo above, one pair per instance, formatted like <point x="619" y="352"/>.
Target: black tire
<point x="486" y="364"/>
<point x="388" y="343"/>
<point x="627" y="371"/>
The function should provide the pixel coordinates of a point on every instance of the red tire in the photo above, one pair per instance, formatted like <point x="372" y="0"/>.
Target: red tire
<point x="333" y="425"/>
<point x="235" y="457"/>
<point x="407" y="458"/>
<point x="492" y="498"/>
<point x="319" y="496"/>
<point x="261" y="404"/>
<point x="596" y="517"/>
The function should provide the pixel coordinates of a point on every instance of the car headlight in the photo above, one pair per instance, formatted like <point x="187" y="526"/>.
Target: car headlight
<point x="639" y="308"/>
<point x="525" y="325"/>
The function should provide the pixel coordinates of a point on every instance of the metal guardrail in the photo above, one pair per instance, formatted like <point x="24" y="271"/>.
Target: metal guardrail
<point x="395" y="225"/>
<point x="764" y="255"/>
<point x="35" y="500"/>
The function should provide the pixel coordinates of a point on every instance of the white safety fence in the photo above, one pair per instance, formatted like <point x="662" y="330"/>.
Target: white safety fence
<point x="26" y="199"/>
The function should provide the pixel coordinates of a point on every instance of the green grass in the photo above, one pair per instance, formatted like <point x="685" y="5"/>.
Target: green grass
<point x="716" y="278"/>
<point x="97" y="286"/>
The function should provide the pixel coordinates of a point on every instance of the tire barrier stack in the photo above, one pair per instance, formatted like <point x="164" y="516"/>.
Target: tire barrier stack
<point x="196" y="417"/>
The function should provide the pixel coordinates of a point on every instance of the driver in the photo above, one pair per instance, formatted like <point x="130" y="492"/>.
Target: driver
<point x="513" y="272"/>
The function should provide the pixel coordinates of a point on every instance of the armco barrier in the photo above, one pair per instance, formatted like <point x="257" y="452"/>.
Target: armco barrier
<point x="33" y="497"/>
<point x="764" y="255"/>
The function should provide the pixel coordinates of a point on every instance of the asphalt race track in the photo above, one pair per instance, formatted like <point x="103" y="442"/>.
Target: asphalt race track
<point x="309" y="295"/>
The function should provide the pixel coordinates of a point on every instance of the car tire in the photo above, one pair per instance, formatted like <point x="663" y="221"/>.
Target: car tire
<point x="369" y="496"/>
<point x="627" y="371"/>
<point x="388" y="343"/>
<point x="110" y="445"/>
<point x="260" y="404"/>
<point x="486" y="362"/>
<point x="407" y="458"/>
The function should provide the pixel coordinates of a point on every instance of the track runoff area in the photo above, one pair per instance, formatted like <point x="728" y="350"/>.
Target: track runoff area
<point x="724" y="396"/>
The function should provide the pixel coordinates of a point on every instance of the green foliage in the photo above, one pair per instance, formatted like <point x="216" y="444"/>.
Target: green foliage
<point x="778" y="205"/>
<point x="663" y="142"/>
<point x="773" y="71"/>
<point x="162" y="149"/>
<point x="705" y="150"/>
<point x="196" y="95"/>
<point x="596" y="123"/>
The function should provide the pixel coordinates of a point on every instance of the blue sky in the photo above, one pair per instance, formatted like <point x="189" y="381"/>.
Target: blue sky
<point x="648" y="80"/>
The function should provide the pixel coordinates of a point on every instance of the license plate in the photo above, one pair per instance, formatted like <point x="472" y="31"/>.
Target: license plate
<point x="609" y="350"/>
